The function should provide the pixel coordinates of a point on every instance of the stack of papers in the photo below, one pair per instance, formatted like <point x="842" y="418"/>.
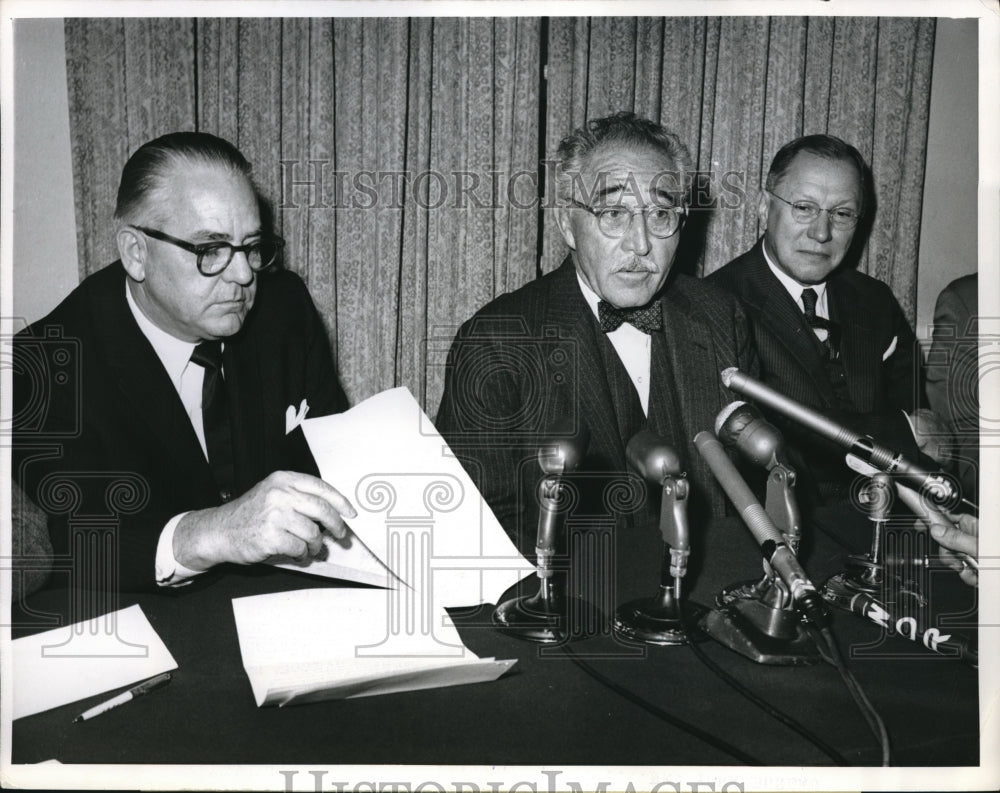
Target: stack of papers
<point x="419" y="513"/>
<point x="423" y="531"/>
<point x="317" y="644"/>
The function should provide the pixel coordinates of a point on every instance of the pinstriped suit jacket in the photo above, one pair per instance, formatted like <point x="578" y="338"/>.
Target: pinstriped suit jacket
<point x="871" y="322"/>
<point x="536" y="355"/>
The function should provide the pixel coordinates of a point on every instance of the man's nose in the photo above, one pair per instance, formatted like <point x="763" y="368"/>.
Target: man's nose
<point x="637" y="237"/>
<point x="239" y="270"/>
<point x="819" y="229"/>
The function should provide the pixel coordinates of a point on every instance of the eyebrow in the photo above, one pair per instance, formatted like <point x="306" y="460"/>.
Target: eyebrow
<point x="618" y="188"/>
<point x="218" y="236"/>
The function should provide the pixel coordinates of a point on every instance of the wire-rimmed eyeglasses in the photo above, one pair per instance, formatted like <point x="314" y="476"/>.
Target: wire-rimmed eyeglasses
<point x="615" y="221"/>
<point x="806" y="212"/>
<point x="214" y="257"/>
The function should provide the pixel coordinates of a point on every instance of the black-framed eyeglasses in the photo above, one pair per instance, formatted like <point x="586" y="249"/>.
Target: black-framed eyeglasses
<point x="615" y="221"/>
<point x="214" y="257"/>
<point x="806" y="212"/>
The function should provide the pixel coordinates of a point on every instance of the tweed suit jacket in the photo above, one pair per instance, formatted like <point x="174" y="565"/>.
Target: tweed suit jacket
<point x="101" y="434"/>
<point x="878" y="351"/>
<point x="537" y="355"/>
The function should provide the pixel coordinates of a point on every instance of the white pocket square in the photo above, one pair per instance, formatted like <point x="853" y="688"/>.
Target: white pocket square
<point x="293" y="418"/>
<point x="890" y="349"/>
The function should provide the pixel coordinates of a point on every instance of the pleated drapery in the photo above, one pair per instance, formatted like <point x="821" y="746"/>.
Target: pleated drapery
<point x="403" y="159"/>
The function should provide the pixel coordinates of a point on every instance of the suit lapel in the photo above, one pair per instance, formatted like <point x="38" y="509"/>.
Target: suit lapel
<point x="777" y="313"/>
<point x="246" y="398"/>
<point x="568" y="309"/>
<point x="139" y="376"/>
<point x="686" y="391"/>
<point x="859" y="345"/>
<point x="683" y="347"/>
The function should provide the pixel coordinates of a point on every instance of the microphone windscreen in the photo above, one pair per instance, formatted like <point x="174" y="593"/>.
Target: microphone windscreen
<point x="725" y="413"/>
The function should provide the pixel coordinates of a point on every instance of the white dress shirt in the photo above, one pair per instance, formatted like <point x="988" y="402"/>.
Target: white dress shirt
<point x="795" y="289"/>
<point x="187" y="377"/>
<point x="634" y="347"/>
<point x="822" y="310"/>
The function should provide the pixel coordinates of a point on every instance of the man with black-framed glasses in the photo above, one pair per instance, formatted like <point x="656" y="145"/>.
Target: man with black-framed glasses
<point x="828" y="336"/>
<point x="176" y="378"/>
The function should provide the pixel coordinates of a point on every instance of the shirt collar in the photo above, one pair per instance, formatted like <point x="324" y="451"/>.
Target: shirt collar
<point x="173" y="353"/>
<point x="793" y="287"/>
<point x="588" y="294"/>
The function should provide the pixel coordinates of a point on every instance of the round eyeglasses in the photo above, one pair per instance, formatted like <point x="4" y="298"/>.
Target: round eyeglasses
<point x="214" y="257"/>
<point x="806" y="212"/>
<point x="615" y="221"/>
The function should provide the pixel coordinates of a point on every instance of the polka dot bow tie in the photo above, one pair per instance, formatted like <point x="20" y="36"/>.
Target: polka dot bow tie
<point x="647" y="319"/>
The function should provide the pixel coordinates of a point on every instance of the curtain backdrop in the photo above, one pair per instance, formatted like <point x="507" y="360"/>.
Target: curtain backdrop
<point x="403" y="159"/>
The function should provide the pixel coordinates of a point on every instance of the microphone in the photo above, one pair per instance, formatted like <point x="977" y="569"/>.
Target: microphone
<point x="543" y="617"/>
<point x="660" y="619"/>
<point x="655" y="462"/>
<point x="557" y="456"/>
<point x="772" y="545"/>
<point x="936" y="484"/>
<point x="742" y="427"/>
<point x="915" y="503"/>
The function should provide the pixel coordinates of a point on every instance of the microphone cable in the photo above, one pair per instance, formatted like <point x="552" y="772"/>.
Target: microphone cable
<point x="768" y="708"/>
<point x="660" y="713"/>
<point x="824" y="639"/>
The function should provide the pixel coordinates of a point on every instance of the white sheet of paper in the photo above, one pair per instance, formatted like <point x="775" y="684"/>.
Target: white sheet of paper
<point x="348" y="559"/>
<point x="418" y="510"/>
<point x="315" y="644"/>
<point x="77" y="661"/>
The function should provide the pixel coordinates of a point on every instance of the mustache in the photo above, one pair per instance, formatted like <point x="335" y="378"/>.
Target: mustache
<point x="635" y="265"/>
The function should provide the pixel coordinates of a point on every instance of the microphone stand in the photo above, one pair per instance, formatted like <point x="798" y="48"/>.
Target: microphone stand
<point x="759" y="619"/>
<point x="544" y="616"/>
<point x="783" y="509"/>
<point x="865" y="574"/>
<point x="661" y="619"/>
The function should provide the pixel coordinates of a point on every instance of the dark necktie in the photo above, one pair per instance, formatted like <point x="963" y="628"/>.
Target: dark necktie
<point x="647" y="319"/>
<point x="215" y="414"/>
<point x="829" y="340"/>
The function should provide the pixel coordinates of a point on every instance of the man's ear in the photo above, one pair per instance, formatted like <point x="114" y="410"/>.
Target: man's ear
<point x="565" y="227"/>
<point x="762" y="208"/>
<point x="133" y="251"/>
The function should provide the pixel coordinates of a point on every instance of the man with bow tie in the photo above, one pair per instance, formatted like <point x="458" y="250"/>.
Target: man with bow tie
<point x="615" y="340"/>
<point x="151" y="406"/>
<point x="828" y="336"/>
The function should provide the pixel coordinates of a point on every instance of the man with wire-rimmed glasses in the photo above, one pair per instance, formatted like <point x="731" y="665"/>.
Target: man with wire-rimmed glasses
<point x="828" y="336"/>
<point x="615" y="340"/>
<point x="171" y="375"/>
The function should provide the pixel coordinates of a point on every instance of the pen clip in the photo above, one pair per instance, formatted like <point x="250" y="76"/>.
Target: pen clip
<point x="151" y="684"/>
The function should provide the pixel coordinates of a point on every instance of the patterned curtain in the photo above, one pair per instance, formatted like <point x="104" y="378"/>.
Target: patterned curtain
<point x="735" y="89"/>
<point x="404" y="158"/>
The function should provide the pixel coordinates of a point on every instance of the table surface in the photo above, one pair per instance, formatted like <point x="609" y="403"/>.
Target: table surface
<point x="548" y="709"/>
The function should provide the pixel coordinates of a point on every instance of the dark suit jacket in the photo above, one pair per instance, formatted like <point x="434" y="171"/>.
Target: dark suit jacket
<point x="537" y="355"/>
<point x="101" y="438"/>
<point x="871" y="322"/>
<point x="952" y="373"/>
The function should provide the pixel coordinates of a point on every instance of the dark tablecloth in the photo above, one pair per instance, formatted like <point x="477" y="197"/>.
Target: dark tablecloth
<point x="547" y="710"/>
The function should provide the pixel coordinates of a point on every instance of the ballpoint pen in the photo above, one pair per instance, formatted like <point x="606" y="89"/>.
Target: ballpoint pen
<point x="127" y="696"/>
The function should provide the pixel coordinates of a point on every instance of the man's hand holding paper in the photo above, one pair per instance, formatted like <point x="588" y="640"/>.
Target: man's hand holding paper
<point x="283" y="515"/>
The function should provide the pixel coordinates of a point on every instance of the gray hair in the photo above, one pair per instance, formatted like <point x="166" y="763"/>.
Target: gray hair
<point x="150" y="165"/>
<point x="624" y="129"/>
